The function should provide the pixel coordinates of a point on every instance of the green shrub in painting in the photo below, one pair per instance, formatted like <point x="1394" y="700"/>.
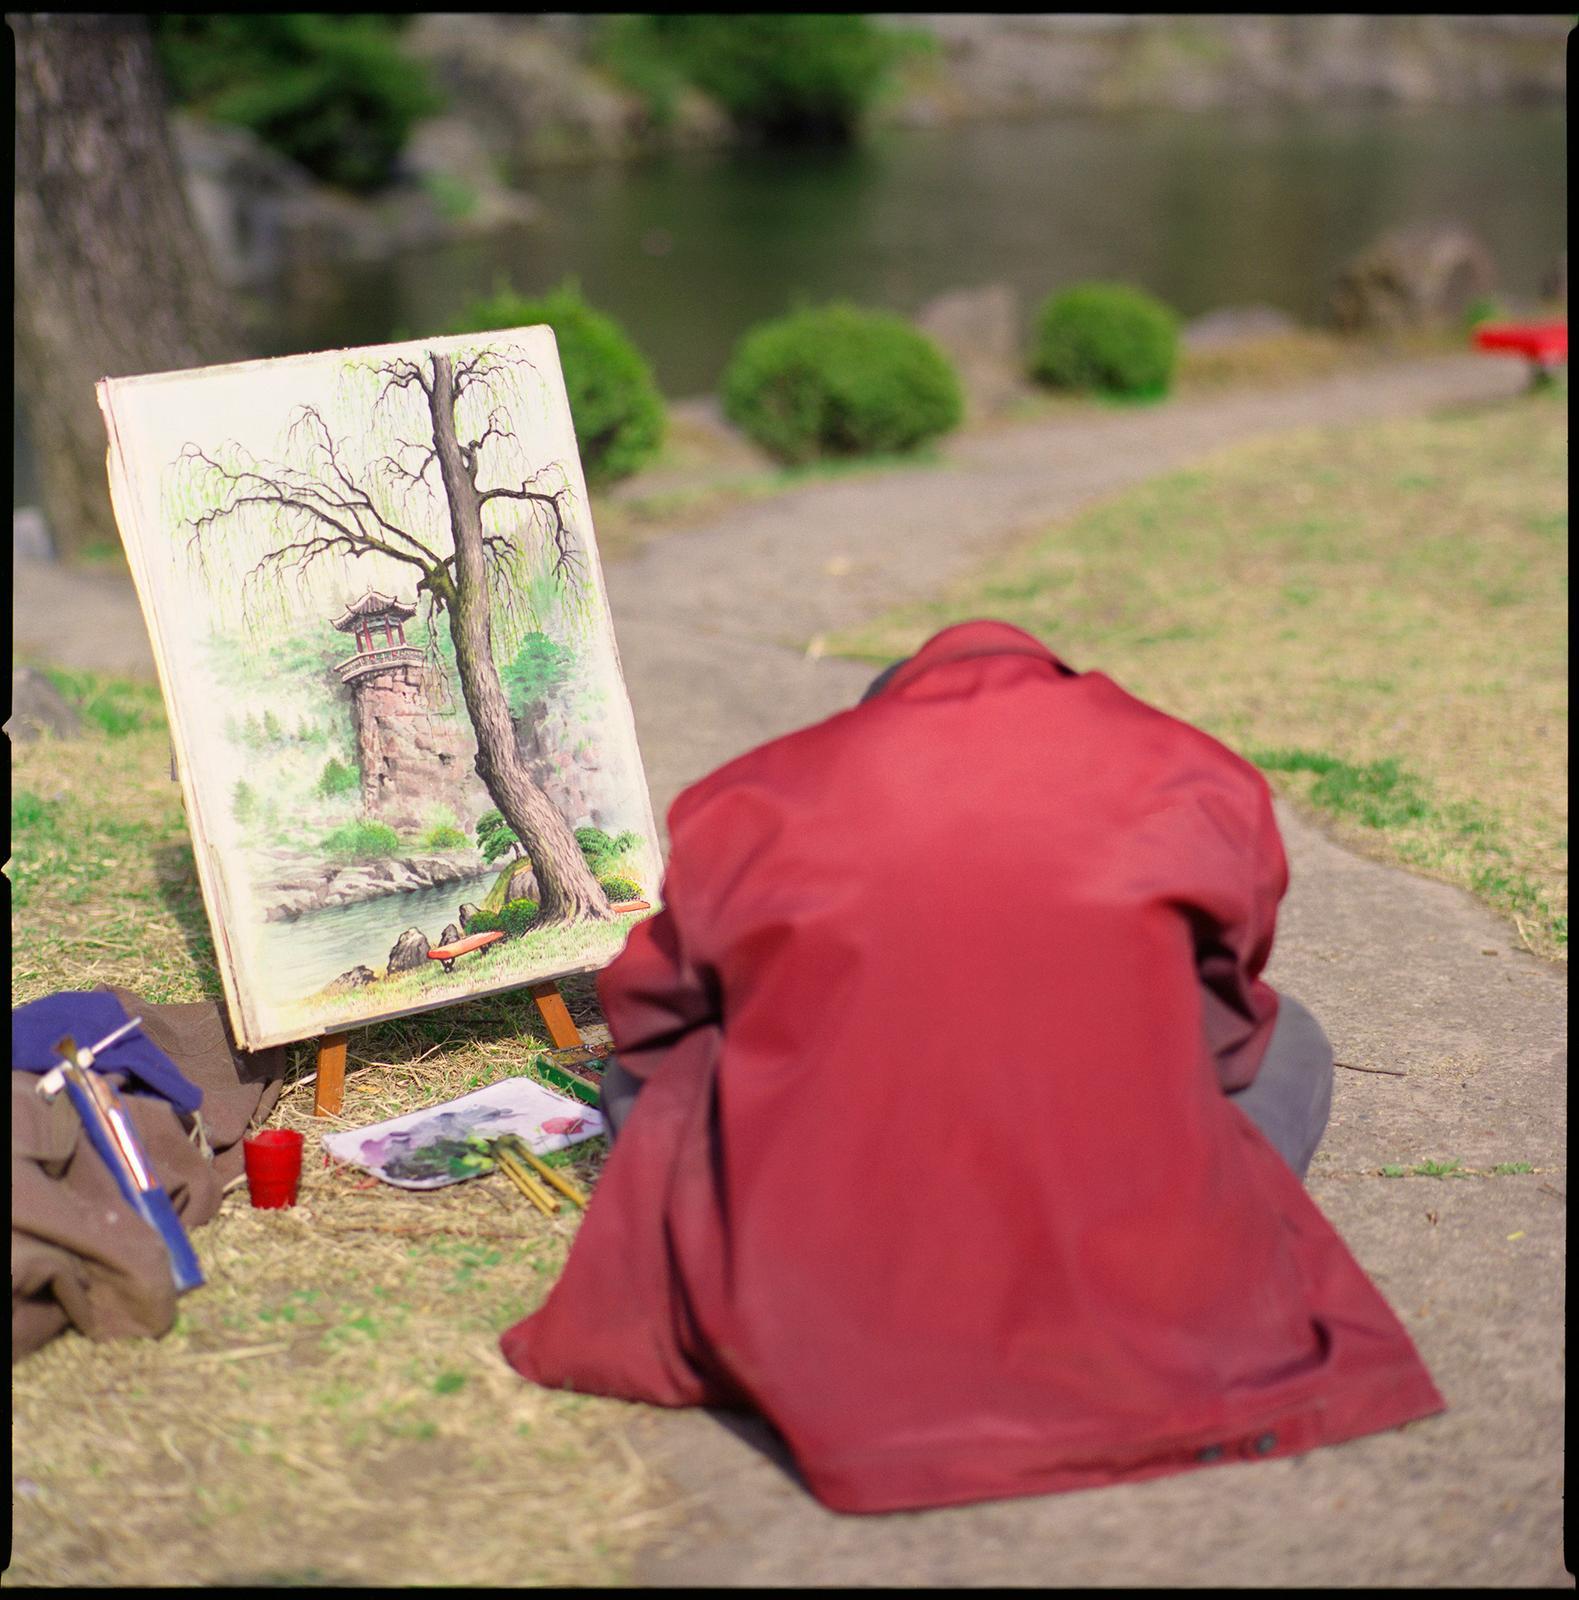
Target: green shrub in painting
<point x="336" y="778"/>
<point x="596" y="847"/>
<point x="840" y="381"/>
<point x="614" y="401"/>
<point x="362" y="840"/>
<point x="1106" y="337"/>
<point x="443" y="832"/>
<point x="539" y="667"/>
<point x="495" y="837"/>
<point x="512" y="921"/>
<point x="618" y="889"/>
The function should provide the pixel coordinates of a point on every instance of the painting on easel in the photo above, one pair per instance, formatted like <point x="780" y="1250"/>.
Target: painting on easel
<point x="407" y="755"/>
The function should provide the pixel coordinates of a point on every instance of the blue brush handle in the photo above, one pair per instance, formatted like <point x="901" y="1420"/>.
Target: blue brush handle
<point x="151" y="1204"/>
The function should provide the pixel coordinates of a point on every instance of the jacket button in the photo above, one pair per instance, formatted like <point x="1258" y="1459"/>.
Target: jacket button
<point x="1213" y="1452"/>
<point x="1267" y="1441"/>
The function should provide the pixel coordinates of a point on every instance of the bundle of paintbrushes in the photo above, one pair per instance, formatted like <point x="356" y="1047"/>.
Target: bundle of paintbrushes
<point x="532" y="1175"/>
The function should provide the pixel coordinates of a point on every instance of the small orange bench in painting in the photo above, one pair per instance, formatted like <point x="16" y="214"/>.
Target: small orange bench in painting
<point x="448" y="952"/>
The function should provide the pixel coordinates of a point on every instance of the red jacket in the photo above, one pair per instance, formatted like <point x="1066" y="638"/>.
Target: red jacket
<point x="933" y="1166"/>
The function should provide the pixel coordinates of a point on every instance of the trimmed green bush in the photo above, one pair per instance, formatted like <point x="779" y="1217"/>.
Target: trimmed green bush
<point x="362" y="840"/>
<point x="840" y="381"/>
<point x="614" y="401"/>
<point x="332" y="91"/>
<point x="618" y="889"/>
<point x="513" y="921"/>
<point x="1107" y="337"/>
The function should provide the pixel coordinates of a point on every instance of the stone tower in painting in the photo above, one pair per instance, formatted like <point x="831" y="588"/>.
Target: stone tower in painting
<point x="414" y="755"/>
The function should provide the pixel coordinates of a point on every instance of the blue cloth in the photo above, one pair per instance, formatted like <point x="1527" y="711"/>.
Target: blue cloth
<point x="88" y="1015"/>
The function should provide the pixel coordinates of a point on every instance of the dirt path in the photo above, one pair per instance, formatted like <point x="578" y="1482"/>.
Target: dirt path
<point x="1405" y="973"/>
<point x="714" y="621"/>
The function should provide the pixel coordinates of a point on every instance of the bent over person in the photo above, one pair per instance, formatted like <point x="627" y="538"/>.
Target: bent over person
<point x="968" y="1143"/>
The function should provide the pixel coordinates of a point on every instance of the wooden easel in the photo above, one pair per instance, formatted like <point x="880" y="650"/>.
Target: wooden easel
<point x="329" y="1089"/>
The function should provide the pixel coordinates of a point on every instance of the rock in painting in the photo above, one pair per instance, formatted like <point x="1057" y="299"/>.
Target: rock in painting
<point x="451" y="935"/>
<point x="410" y="951"/>
<point x="356" y="978"/>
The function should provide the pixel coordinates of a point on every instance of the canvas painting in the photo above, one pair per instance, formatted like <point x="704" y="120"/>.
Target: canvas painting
<point x="451" y="1142"/>
<point x="407" y="755"/>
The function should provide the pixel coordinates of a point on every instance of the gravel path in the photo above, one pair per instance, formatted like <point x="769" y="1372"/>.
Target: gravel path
<point x="713" y="623"/>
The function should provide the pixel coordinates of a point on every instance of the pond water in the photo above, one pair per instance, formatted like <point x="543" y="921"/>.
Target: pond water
<point x="301" y="956"/>
<point x="1205" y="209"/>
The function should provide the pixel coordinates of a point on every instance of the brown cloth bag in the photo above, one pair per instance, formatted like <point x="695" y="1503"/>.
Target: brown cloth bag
<point x="80" y="1256"/>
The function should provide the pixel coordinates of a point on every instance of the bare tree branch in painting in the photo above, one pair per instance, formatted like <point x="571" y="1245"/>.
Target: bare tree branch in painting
<point x="326" y="507"/>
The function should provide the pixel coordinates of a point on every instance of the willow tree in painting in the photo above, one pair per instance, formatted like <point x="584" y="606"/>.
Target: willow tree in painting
<point x="414" y="478"/>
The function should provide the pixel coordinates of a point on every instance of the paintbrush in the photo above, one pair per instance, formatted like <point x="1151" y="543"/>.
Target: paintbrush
<point x="524" y="1181"/>
<point x="519" y="1147"/>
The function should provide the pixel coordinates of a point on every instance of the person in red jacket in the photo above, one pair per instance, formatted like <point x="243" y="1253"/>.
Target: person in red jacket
<point x="969" y="1140"/>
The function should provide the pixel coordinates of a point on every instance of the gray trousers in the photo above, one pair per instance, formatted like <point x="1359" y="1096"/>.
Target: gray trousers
<point x="1289" y="1100"/>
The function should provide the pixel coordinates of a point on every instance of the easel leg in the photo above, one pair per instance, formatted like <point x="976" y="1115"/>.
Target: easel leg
<point x="551" y="1004"/>
<point x="329" y="1090"/>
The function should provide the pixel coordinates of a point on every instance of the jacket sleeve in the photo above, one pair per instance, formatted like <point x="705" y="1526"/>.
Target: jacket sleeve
<point x="657" y="992"/>
<point x="1232" y="948"/>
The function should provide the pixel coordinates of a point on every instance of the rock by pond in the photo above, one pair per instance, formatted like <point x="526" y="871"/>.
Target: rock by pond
<point x="1413" y="277"/>
<point x="451" y="935"/>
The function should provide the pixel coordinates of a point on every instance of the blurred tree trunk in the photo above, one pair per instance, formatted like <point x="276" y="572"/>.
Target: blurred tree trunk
<point x="112" y="277"/>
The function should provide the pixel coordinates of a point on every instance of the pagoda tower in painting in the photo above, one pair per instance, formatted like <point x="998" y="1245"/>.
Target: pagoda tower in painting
<point x="415" y="754"/>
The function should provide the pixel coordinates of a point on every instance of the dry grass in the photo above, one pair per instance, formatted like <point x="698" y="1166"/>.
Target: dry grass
<point x="1377" y="615"/>
<point x="331" y="1407"/>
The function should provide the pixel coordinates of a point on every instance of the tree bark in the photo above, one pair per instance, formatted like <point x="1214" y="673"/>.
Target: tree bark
<point x="570" y="892"/>
<point x="112" y="277"/>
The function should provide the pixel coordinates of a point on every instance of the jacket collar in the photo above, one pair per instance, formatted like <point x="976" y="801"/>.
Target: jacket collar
<point x="967" y="641"/>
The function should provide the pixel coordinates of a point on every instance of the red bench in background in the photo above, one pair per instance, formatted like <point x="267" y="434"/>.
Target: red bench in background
<point x="1543" y="344"/>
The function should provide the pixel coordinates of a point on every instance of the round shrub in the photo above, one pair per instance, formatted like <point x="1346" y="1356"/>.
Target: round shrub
<point x="614" y="401"/>
<point x="1108" y="337"/>
<point x="840" y="381"/>
<point x="618" y="889"/>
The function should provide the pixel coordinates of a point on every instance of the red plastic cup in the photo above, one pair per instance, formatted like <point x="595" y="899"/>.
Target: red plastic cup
<point x="274" y="1167"/>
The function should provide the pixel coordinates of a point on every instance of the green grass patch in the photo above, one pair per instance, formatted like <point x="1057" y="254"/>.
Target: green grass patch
<point x="346" y="1350"/>
<point x="114" y="706"/>
<point x="1376" y="615"/>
